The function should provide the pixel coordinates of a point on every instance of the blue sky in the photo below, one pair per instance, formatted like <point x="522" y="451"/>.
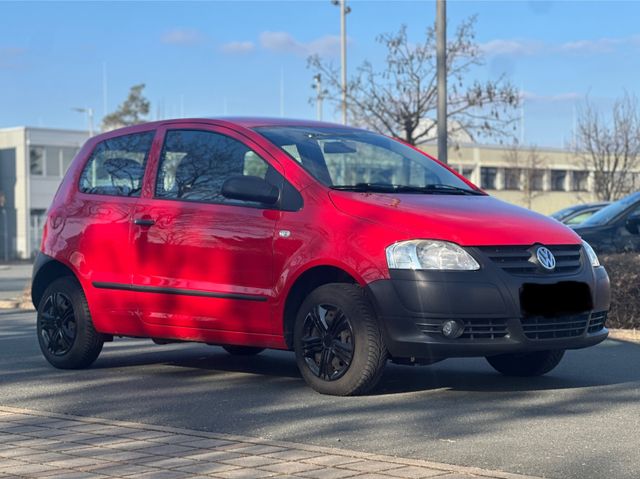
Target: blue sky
<point x="216" y="58"/>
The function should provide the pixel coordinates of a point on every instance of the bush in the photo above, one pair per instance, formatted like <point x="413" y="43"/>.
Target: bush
<point x="624" y="272"/>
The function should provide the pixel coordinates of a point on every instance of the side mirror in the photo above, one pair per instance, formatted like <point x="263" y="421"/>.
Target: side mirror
<point x="250" y="188"/>
<point x="633" y="224"/>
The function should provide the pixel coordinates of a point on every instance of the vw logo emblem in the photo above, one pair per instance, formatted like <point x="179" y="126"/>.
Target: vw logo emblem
<point x="546" y="258"/>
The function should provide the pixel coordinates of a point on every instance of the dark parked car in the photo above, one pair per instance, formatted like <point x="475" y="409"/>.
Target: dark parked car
<point x="577" y="214"/>
<point x="615" y="228"/>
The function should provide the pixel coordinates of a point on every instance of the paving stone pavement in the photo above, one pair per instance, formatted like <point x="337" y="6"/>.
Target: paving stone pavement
<point x="35" y="444"/>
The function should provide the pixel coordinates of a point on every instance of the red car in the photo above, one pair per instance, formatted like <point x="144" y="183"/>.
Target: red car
<point x="345" y="246"/>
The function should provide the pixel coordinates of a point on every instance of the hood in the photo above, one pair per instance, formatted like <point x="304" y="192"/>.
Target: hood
<point x="466" y="220"/>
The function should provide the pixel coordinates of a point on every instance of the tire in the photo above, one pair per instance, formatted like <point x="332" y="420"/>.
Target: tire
<point x="65" y="331"/>
<point x="526" y="364"/>
<point x="242" y="350"/>
<point x="338" y="342"/>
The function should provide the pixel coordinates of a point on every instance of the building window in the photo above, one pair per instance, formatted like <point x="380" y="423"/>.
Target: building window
<point x="536" y="180"/>
<point x="467" y="172"/>
<point x="512" y="178"/>
<point x="52" y="161"/>
<point x="579" y="180"/>
<point x="67" y="156"/>
<point x="558" y="179"/>
<point x="488" y="178"/>
<point x="36" y="225"/>
<point x="36" y="160"/>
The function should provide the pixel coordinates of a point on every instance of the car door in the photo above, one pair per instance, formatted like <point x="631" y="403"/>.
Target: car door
<point x="203" y="262"/>
<point x="97" y="228"/>
<point x="626" y="235"/>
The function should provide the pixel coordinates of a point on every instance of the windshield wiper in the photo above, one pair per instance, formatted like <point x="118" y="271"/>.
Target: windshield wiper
<point x="440" y="188"/>
<point x="375" y="187"/>
<point x="388" y="188"/>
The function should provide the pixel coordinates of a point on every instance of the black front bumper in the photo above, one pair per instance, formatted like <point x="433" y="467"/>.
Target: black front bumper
<point x="499" y="310"/>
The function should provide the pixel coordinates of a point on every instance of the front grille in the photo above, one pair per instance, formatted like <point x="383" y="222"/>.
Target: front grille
<point x="597" y="321"/>
<point x="473" y="328"/>
<point x="540" y="327"/>
<point x="519" y="259"/>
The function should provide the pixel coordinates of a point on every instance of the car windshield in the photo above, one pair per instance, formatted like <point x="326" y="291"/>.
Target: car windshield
<point x="565" y="212"/>
<point x="606" y="214"/>
<point x="357" y="160"/>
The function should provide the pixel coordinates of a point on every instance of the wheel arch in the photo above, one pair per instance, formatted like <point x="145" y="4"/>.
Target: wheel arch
<point x="306" y="282"/>
<point x="46" y="269"/>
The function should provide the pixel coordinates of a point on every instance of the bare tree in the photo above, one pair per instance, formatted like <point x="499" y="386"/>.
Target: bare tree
<point x="610" y="146"/>
<point x="401" y="99"/>
<point x="526" y="172"/>
<point x="131" y="112"/>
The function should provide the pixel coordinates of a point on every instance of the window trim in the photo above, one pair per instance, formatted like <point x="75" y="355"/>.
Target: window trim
<point x="296" y="203"/>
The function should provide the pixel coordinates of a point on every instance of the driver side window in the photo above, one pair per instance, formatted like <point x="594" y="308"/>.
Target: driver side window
<point x="194" y="165"/>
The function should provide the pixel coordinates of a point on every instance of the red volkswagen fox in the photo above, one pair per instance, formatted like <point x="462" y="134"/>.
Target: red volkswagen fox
<point x="345" y="246"/>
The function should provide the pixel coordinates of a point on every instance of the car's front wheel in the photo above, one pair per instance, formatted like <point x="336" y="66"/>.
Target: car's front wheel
<point x="535" y="363"/>
<point x="338" y="342"/>
<point x="66" y="334"/>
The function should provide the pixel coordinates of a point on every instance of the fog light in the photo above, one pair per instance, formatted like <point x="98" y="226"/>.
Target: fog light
<point x="452" y="329"/>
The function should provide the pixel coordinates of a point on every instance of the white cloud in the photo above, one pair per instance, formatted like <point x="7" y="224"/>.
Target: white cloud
<point x="238" y="48"/>
<point x="182" y="36"/>
<point x="559" y="97"/>
<point x="599" y="45"/>
<point x="511" y="47"/>
<point x="517" y="47"/>
<point x="283" y="42"/>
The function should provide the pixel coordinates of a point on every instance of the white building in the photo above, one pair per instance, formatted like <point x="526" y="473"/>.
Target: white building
<point x="32" y="163"/>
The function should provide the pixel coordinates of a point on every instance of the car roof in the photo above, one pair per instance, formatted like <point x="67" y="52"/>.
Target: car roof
<point x="243" y="121"/>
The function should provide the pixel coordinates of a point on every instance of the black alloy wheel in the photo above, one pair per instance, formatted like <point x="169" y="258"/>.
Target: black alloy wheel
<point x="66" y="335"/>
<point x="58" y="325"/>
<point x="338" y="340"/>
<point x="328" y="342"/>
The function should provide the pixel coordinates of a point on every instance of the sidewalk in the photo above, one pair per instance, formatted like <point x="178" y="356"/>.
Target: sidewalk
<point x="35" y="444"/>
<point x="14" y="278"/>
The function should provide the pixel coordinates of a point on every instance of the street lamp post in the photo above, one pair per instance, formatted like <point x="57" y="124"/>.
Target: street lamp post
<point x="344" y="10"/>
<point x="89" y="112"/>
<point x="441" y="53"/>
<point x="5" y="230"/>
<point x="319" y="95"/>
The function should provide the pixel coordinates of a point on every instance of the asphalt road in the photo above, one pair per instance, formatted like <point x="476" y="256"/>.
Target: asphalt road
<point x="581" y="421"/>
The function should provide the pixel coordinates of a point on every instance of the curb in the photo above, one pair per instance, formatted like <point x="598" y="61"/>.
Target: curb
<point x="445" y="468"/>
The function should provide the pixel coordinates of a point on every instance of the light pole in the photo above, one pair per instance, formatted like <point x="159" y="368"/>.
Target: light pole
<point x="5" y="231"/>
<point x="344" y="10"/>
<point x="441" y="53"/>
<point x="89" y="112"/>
<point x="320" y="93"/>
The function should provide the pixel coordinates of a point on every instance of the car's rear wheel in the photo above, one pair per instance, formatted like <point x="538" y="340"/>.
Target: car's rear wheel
<point x="66" y="334"/>
<point x="535" y="363"/>
<point x="242" y="350"/>
<point x="338" y="342"/>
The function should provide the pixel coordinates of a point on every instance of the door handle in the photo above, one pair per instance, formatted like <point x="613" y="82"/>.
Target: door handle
<point x="144" y="222"/>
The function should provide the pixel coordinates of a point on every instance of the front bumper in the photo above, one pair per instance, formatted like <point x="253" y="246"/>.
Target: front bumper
<point x="497" y="308"/>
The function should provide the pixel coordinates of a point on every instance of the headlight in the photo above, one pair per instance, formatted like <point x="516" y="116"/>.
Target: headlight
<point x="431" y="255"/>
<point x="593" y="257"/>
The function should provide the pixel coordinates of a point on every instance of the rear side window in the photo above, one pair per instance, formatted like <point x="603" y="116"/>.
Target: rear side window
<point x="116" y="166"/>
<point x="194" y="165"/>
